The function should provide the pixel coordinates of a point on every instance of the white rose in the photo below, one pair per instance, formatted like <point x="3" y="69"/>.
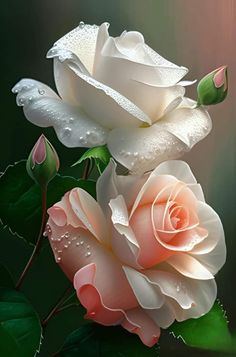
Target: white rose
<point x="119" y="92"/>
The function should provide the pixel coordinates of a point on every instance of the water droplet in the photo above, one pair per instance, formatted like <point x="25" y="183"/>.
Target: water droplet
<point x="81" y="24"/>
<point x="82" y="242"/>
<point x="41" y="91"/>
<point x="58" y="259"/>
<point x="88" y="254"/>
<point x="74" y="238"/>
<point x="77" y="244"/>
<point x="65" y="246"/>
<point x="67" y="234"/>
<point x="67" y="131"/>
<point x="45" y="233"/>
<point x="21" y="102"/>
<point x="88" y="246"/>
<point x="69" y="242"/>
<point x="92" y="313"/>
<point x="59" y="251"/>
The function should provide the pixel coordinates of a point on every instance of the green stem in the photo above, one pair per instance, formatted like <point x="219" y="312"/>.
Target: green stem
<point x="39" y="239"/>
<point x="55" y="309"/>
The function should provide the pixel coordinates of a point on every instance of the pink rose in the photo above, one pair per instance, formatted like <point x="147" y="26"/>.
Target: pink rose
<point x="145" y="254"/>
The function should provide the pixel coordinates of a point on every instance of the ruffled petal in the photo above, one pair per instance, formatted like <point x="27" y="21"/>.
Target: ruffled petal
<point x="124" y="243"/>
<point x="212" y="251"/>
<point x="177" y="168"/>
<point x="152" y="298"/>
<point x="109" y="108"/>
<point x="88" y="211"/>
<point x="189" y="266"/>
<point x="110" y="185"/>
<point x="173" y="285"/>
<point x="44" y="108"/>
<point x="82" y="42"/>
<point x="204" y="292"/>
<point x="163" y="317"/>
<point x="136" y="81"/>
<point x="139" y="322"/>
<point x="142" y="149"/>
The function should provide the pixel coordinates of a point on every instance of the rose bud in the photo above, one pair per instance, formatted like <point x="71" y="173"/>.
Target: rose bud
<point x="213" y="88"/>
<point x="43" y="162"/>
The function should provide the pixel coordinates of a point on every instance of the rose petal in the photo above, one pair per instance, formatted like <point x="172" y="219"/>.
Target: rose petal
<point x="137" y="82"/>
<point x="82" y="42"/>
<point x="169" y="138"/>
<point x="212" y="251"/>
<point x="209" y="220"/>
<point x="189" y="266"/>
<point x="89" y="213"/>
<point x="163" y="317"/>
<point x="44" y="108"/>
<point x="204" y="292"/>
<point x="177" y="168"/>
<point x="152" y="298"/>
<point x="91" y="299"/>
<point x="137" y="321"/>
<point x="105" y="100"/>
<point x="110" y="185"/>
<point x="124" y="243"/>
<point x="172" y="285"/>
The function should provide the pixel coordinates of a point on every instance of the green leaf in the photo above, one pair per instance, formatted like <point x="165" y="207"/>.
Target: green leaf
<point x="20" y="204"/>
<point x="5" y="278"/>
<point x="8" y="345"/>
<point x="207" y="332"/>
<point x="20" y="326"/>
<point x="93" y="340"/>
<point x="100" y="155"/>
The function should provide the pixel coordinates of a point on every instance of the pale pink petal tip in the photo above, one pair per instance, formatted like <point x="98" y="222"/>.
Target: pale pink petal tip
<point x="220" y="77"/>
<point x="58" y="215"/>
<point x="39" y="151"/>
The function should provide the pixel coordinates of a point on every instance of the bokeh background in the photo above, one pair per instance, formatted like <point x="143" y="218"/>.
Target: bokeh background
<point x="198" y="34"/>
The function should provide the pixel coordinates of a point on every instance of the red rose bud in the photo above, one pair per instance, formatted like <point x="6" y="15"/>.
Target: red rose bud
<point x="213" y="88"/>
<point x="43" y="163"/>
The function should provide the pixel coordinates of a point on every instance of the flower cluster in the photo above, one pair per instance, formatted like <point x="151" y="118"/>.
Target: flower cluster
<point x="146" y="252"/>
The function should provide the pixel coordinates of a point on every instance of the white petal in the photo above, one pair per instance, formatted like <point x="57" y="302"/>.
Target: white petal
<point x="169" y="72"/>
<point x="142" y="149"/>
<point x="100" y="102"/>
<point x="44" y="108"/>
<point x="189" y="266"/>
<point x="102" y="38"/>
<point x="169" y="138"/>
<point x="139" y="83"/>
<point x="148" y="295"/>
<point x="188" y="125"/>
<point x="82" y="42"/>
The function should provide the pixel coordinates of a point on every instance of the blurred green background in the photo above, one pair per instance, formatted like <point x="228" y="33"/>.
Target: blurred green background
<point x="197" y="34"/>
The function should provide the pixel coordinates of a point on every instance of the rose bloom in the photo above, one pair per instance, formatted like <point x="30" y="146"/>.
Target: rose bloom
<point x="119" y="92"/>
<point x="145" y="253"/>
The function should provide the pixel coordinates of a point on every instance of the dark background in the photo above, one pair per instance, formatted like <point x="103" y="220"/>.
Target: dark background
<point x="197" y="34"/>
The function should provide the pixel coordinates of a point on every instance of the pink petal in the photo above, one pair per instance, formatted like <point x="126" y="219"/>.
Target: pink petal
<point x="137" y="321"/>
